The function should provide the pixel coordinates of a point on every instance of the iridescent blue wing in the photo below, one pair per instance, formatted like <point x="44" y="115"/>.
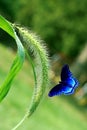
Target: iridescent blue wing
<point x="69" y="89"/>
<point x="57" y="90"/>
<point x="70" y="85"/>
<point x="67" y="85"/>
<point x="61" y="88"/>
<point x="65" y="73"/>
<point x="66" y="88"/>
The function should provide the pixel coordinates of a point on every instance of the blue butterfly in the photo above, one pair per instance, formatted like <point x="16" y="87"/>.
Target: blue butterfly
<point x="67" y="85"/>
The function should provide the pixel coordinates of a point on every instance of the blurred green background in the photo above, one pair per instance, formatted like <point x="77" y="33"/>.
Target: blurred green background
<point x="62" y="24"/>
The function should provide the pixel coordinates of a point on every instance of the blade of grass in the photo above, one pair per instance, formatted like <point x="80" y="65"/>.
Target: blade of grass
<point x="18" y="61"/>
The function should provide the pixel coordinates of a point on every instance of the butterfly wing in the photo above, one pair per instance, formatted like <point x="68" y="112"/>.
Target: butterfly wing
<point x="61" y="88"/>
<point x="67" y="88"/>
<point x="70" y="85"/>
<point x="57" y="90"/>
<point x="68" y="79"/>
<point x="67" y="85"/>
<point x="65" y="73"/>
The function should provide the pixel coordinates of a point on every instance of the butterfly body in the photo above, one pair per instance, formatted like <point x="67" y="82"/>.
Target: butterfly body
<point x="67" y="84"/>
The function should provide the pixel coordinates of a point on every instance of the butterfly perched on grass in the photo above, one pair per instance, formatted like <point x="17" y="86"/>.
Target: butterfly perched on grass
<point x="67" y="85"/>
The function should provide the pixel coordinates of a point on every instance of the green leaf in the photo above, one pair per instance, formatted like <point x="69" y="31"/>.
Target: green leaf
<point x="18" y="61"/>
<point x="6" y="26"/>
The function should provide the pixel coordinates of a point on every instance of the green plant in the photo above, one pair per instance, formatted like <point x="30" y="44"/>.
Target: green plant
<point x="27" y="41"/>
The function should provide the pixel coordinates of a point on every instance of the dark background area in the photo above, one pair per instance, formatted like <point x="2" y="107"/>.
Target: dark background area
<point x="62" y="24"/>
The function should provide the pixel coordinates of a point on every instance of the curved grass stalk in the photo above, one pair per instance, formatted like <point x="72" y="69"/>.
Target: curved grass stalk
<point x="40" y="67"/>
<point x="32" y="42"/>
